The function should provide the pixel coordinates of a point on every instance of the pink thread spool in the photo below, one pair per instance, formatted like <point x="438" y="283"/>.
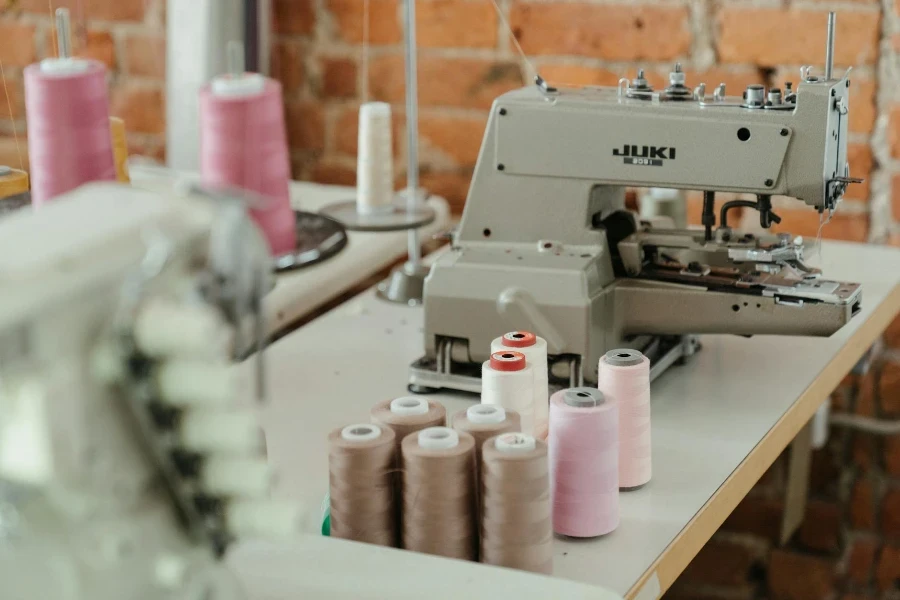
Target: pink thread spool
<point x="584" y="462"/>
<point x="67" y="112"/>
<point x="243" y="144"/>
<point x="624" y="376"/>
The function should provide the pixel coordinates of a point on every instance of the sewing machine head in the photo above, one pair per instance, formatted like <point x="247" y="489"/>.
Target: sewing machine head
<point x="127" y="460"/>
<point x="545" y="243"/>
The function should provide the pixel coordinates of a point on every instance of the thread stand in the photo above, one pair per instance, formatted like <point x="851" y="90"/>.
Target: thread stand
<point x="319" y="237"/>
<point x="14" y="192"/>
<point x="398" y="218"/>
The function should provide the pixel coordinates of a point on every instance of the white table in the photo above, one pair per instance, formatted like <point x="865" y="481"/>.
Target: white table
<point x="718" y="422"/>
<point x="298" y="293"/>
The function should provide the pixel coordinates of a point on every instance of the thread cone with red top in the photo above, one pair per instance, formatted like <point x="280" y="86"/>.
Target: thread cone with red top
<point x="507" y="361"/>
<point x="519" y="339"/>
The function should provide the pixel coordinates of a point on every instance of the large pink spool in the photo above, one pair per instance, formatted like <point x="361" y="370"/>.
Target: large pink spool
<point x="243" y="144"/>
<point x="67" y="111"/>
<point x="584" y="462"/>
<point x="624" y="376"/>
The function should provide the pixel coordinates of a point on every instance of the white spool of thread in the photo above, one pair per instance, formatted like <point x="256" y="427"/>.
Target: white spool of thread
<point x="374" y="160"/>
<point x="508" y="381"/>
<point x="535" y="350"/>
<point x="624" y="377"/>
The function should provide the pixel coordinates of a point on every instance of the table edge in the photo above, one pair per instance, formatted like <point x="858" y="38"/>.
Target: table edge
<point x="679" y="553"/>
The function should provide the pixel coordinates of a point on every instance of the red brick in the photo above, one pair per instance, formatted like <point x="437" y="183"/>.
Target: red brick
<point x="887" y="573"/>
<point x="99" y="46"/>
<point x="865" y="451"/>
<point x="458" y="138"/>
<point x="865" y="394"/>
<point x="805" y="222"/>
<point x="338" y="77"/>
<point x="889" y="389"/>
<point x="628" y="32"/>
<point x="720" y="563"/>
<point x="13" y="154"/>
<point x="746" y="35"/>
<point x="141" y="107"/>
<point x="862" y="505"/>
<point x="894" y="131"/>
<point x="757" y="516"/>
<point x="384" y="21"/>
<point x="821" y="527"/>
<point x="100" y="10"/>
<point x="145" y="55"/>
<point x="287" y="66"/>
<point x="115" y="10"/>
<point x="890" y="513"/>
<point x="892" y="334"/>
<point x="346" y="131"/>
<point x="18" y="48"/>
<point x="293" y="16"/>
<point x="456" y="24"/>
<point x="824" y="470"/>
<point x="15" y="87"/>
<point x="682" y="591"/>
<point x="861" y="560"/>
<point x="465" y="82"/>
<point x="563" y="75"/>
<point x="147" y="146"/>
<point x="452" y="186"/>
<point x="333" y="174"/>
<point x="795" y="576"/>
<point x="892" y="455"/>
<point x="895" y="196"/>
<point x="860" y="158"/>
<point x="305" y="125"/>
<point x="862" y="104"/>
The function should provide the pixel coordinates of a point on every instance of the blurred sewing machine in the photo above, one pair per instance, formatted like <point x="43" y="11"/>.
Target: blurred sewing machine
<point x="128" y="463"/>
<point x="545" y="243"/>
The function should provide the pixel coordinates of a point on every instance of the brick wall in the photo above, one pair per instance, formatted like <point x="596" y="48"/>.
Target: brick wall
<point x="849" y="545"/>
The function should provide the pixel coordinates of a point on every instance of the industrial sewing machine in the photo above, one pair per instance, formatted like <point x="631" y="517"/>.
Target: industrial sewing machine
<point x="128" y="463"/>
<point x="545" y="243"/>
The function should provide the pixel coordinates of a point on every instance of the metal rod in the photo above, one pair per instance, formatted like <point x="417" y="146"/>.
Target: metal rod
<point x="236" y="58"/>
<point x="829" y="48"/>
<point x="63" y="33"/>
<point x="251" y="35"/>
<point x="412" y="131"/>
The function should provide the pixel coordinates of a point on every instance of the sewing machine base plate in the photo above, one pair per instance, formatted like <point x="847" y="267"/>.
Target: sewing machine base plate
<point x="425" y="376"/>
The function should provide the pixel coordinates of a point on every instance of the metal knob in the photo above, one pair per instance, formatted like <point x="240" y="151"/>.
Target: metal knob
<point x="775" y="97"/>
<point x="676" y="77"/>
<point x="755" y="95"/>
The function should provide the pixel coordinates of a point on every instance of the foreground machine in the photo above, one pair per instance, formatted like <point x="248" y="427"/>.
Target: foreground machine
<point x="128" y="463"/>
<point x="545" y="243"/>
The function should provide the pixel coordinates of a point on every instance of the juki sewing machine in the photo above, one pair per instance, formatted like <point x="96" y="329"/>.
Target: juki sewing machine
<point x="545" y="243"/>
